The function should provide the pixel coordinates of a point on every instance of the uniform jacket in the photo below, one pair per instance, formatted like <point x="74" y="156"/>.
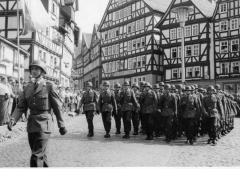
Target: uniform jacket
<point x="212" y="106"/>
<point x="169" y="104"/>
<point x="117" y="95"/>
<point x="159" y="95"/>
<point x="128" y="101"/>
<point x="89" y="101"/>
<point x="150" y="102"/>
<point x="190" y="107"/>
<point x="138" y="97"/>
<point x="40" y="102"/>
<point x="107" y="102"/>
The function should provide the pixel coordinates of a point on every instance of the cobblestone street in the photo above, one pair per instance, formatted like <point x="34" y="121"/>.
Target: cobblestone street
<point x="76" y="150"/>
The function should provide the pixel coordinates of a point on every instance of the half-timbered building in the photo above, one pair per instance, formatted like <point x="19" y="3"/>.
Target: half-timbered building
<point x="199" y="63"/>
<point x="226" y="21"/>
<point x="92" y="68"/>
<point x="54" y="45"/>
<point x="130" y="43"/>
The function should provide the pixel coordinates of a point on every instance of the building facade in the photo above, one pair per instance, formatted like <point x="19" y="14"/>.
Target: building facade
<point x="9" y="63"/>
<point x="198" y="32"/>
<point x="54" y="45"/>
<point x="130" y="43"/>
<point x="226" y="45"/>
<point x="92" y="62"/>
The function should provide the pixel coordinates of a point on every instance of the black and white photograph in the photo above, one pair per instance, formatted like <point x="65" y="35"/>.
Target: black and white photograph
<point x="119" y="83"/>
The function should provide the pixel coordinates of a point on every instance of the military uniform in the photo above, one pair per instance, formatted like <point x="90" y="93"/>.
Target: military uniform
<point x="89" y="101"/>
<point x="157" y="114"/>
<point x="107" y="105"/>
<point x="169" y="110"/>
<point x="150" y="103"/>
<point x="212" y="108"/>
<point x="117" y="112"/>
<point x="135" y="114"/>
<point x="128" y="104"/>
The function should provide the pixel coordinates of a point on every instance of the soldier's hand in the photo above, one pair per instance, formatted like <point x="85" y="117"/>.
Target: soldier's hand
<point x="97" y="111"/>
<point x="11" y="123"/>
<point x="63" y="131"/>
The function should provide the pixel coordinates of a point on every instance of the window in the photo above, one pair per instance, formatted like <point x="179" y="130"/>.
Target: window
<point x="173" y="33"/>
<point x="106" y="51"/>
<point x="47" y="31"/>
<point x="223" y="8"/>
<point x="174" y="53"/>
<point x="129" y="28"/>
<point x="125" y="12"/>
<point x="196" y="71"/>
<point x="180" y="72"/>
<point x="134" y="44"/>
<point x="107" y="68"/>
<point x="129" y="10"/>
<point x="143" y="42"/>
<point x="40" y="54"/>
<point x="175" y="73"/>
<point x="224" y="68"/>
<point x="54" y="6"/>
<point x="189" y="72"/>
<point x="195" y="50"/>
<point x="133" y="26"/>
<point x="117" y="15"/>
<point x="117" y="32"/>
<point x="223" y="25"/>
<point x="195" y="30"/>
<point x="2" y="54"/>
<point x="224" y="47"/>
<point x="139" y="61"/>
<point x="110" y="67"/>
<point x="114" y="49"/>
<point x="109" y="34"/>
<point x="138" y="25"/>
<point x="129" y="45"/>
<point x="121" y="14"/>
<point x="110" y="50"/>
<point x="143" y="61"/>
<point x="179" y="52"/>
<point x="134" y="63"/>
<point x="235" y="45"/>
<point x="113" y="33"/>
<point x="121" y="64"/>
<point x="234" y="24"/>
<point x="106" y="36"/>
<point x="117" y="65"/>
<point x="142" y="23"/>
<point x="51" y="61"/>
<point x="179" y="32"/>
<point x="188" y="51"/>
<point x="187" y="31"/>
<point x="138" y="43"/>
<point x="130" y="63"/>
<point x="235" y="67"/>
<point x="117" y="49"/>
<point x="114" y="66"/>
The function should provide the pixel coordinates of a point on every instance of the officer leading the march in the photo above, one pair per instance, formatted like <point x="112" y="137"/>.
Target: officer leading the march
<point x="40" y="97"/>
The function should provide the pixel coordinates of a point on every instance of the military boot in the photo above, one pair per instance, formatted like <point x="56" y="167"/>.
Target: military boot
<point x="191" y="141"/>
<point x="107" y="135"/>
<point x="126" y="136"/>
<point x="214" y="142"/>
<point x="118" y="132"/>
<point x="150" y="137"/>
<point x="209" y="141"/>
<point x="90" y="133"/>
<point x="147" y="138"/>
<point x="135" y="132"/>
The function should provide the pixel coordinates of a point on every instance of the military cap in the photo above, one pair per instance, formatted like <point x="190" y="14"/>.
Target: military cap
<point x="135" y="85"/>
<point x="117" y="85"/>
<point x="156" y="86"/>
<point x="89" y="84"/>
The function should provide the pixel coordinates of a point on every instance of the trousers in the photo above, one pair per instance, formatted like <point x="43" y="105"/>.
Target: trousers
<point x="89" y="116"/>
<point x="127" y="116"/>
<point x="157" y="122"/>
<point x="106" y="118"/>
<point x="117" y="117"/>
<point x="38" y="144"/>
<point x="167" y="125"/>
<point x="135" y="120"/>
<point x="149" y="122"/>
<point x="212" y="127"/>
<point x="189" y="127"/>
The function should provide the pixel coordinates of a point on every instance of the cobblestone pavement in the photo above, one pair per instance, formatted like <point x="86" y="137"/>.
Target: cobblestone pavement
<point x="76" y="150"/>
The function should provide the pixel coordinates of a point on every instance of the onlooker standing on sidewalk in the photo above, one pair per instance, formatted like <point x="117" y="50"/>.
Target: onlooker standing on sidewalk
<point x="4" y="100"/>
<point x="12" y="95"/>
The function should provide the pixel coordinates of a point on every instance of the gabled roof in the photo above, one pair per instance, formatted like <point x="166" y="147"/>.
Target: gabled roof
<point x="88" y="38"/>
<point x="158" y="5"/>
<point x="206" y="7"/>
<point x="96" y="28"/>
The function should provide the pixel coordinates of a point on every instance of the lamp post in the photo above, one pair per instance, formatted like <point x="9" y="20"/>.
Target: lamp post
<point x="182" y="12"/>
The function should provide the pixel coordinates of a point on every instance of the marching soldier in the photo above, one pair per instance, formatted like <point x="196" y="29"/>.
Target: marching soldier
<point x="169" y="110"/>
<point x="180" y="111"/>
<point x="136" y="112"/>
<point x="157" y="114"/>
<point x="128" y="104"/>
<point x="141" y="110"/>
<point x="150" y="103"/>
<point x="175" y="120"/>
<point x="40" y="97"/>
<point x="212" y="109"/>
<point x="107" y="105"/>
<point x="190" y="108"/>
<point x="117" y="112"/>
<point x="89" y="101"/>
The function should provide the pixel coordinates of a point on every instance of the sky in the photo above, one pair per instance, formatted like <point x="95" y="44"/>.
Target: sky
<point x="90" y="13"/>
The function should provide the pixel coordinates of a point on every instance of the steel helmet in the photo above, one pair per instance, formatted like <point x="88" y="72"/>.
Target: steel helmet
<point x="147" y="84"/>
<point x="217" y="86"/>
<point x="89" y="84"/>
<point x="135" y="85"/>
<point x="126" y="83"/>
<point x="173" y="87"/>
<point x="161" y="84"/>
<point x="180" y="86"/>
<point x="188" y="88"/>
<point x="156" y="86"/>
<point x="167" y="86"/>
<point x="39" y="64"/>
<point x="193" y="87"/>
<point x="210" y="88"/>
<point x="144" y="84"/>
<point x="106" y="83"/>
<point x="200" y="90"/>
<point x="117" y="85"/>
<point x="196" y="86"/>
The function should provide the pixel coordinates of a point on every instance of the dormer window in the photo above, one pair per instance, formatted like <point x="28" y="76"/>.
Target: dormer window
<point x="223" y="8"/>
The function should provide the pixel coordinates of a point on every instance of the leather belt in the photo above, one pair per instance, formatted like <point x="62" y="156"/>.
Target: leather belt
<point x="39" y="112"/>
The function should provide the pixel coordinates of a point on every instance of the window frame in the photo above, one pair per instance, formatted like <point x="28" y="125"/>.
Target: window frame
<point x="224" y="5"/>
<point x="176" y="72"/>
<point x="174" y="50"/>
<point x="195" y="29"/>
<point x="173" y="34"/>
<point x="234" y="40"/>
<point x="226" y="25"/>
<point x="224" y="45"/>
<point x="188" y="28"/>
<point x="231" y="24"/>
<point x="193" y="48"/>
<point x="226" y="67"/>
